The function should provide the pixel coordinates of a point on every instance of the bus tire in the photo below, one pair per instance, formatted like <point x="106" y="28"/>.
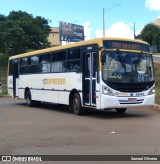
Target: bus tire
<point x="121" y="110"/>
<point x="29" y="100"/>
<point x="76" y="104"/>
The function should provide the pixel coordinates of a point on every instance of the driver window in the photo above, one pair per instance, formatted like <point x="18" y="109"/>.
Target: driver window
<point x="142" y="65"/>
<point x="106" y="68"/>
<point x="115" y="65"/>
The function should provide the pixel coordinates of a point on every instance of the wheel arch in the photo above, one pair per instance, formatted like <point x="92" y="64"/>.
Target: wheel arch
<point x="73" y="91"/>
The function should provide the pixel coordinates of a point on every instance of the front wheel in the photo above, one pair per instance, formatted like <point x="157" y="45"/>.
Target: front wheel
<point x="76" y="104"/>
<point x="121" y="110"/>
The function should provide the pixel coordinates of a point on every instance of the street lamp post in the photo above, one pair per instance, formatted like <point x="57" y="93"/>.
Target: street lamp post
<point x="103" y="23"/>
<point x="104" y="11"/>
<point x="134" y="29"/>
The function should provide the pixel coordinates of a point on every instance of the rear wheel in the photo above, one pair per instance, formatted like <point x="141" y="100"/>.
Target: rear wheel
<point x="29" y="100"/>
<point x="121" y="110"/>
<point x="76" y="104"/>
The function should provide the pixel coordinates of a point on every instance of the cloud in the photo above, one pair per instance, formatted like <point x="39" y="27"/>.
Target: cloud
<point x="152" y="4"/>
<point x="119" y="29"/>
<point x="87" y="30"/>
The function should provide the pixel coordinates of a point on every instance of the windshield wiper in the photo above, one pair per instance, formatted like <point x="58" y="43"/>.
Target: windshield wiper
<point x="121" y="59"/>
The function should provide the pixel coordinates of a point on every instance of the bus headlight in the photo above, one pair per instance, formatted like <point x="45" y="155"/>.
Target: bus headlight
<point x="107" y="91"/>
<point x="152" y="91"/>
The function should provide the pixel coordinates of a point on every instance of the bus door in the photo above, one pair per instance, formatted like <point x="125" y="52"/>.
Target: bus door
<point x="15" y="79"/>
<point x="89" y="79"/>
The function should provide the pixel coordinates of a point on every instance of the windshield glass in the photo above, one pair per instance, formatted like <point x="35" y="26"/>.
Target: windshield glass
<point x="128" y="67"/>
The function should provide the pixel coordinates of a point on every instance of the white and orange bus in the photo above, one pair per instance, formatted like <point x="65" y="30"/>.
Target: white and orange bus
<point x="104" y="73"/>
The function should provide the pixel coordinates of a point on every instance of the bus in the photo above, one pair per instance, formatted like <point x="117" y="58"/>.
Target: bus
<point x="103" y="73"/>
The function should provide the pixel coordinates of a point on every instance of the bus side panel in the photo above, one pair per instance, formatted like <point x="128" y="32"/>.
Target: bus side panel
<point x="10" y="85"/>
<point x="71" y="81"/>
<point x="30" y="82"/>
<point x="41" y="87"/>
<point x="48" y="89"/>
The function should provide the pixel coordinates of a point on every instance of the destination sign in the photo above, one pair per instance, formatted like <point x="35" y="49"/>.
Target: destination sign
<point x="114" y="44"/>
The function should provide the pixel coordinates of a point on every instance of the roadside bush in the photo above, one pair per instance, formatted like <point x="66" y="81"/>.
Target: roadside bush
<point x="157" y="82"/>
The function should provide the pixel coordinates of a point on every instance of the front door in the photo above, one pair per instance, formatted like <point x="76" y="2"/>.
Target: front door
<point x="89" y="82"/>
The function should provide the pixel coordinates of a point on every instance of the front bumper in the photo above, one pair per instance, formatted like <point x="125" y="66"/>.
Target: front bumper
<point x="109" y="102"/>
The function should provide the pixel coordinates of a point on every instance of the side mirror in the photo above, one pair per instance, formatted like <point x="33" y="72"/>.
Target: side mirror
<point x="103" y="56"/>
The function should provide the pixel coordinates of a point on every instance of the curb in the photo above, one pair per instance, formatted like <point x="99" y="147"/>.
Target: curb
<point x="157" y="107"/>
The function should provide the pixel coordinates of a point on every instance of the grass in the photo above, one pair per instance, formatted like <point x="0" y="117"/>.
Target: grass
<point x="3" y="73"/>
<point x="156" y="54"/>
<point x="157" y="81"/>
<point x="157" y="95"/>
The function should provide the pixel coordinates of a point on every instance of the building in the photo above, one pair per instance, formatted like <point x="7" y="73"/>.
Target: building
<point x="155" y="48"/>
<point x="53" y="37"/>
<point x="157" y="22"/>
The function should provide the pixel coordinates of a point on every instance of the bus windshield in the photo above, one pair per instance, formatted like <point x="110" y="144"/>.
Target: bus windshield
<point x="127" y="67"/>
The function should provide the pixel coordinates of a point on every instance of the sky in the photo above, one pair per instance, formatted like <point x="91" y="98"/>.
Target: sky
<point x="119" y="15"/>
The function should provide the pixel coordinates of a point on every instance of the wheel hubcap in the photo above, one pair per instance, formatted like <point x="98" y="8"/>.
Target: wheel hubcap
<point x="75" y="103"/>
<point x="28" y="99"/>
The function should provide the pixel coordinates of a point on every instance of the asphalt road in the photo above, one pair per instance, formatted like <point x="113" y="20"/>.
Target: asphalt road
<point x="53" y="130"/>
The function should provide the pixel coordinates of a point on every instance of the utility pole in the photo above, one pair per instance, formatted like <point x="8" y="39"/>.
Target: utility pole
<point x="104" y="11"/>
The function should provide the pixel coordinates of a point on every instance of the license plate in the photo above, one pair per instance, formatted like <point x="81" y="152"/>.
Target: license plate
<point x="132" y="100"/>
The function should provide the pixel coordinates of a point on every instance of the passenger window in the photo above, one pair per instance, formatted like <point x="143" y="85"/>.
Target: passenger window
<point x="45" y="63"/>
<point x="59" y="56"/>
<point x="24" y="66"/>
<point x="59" y="61"/>
<point x="33" y="64"/>
<point x="23" y="62"/>
<point x="74" y="54"/>
<point x="73" y="66"/>
<point x="58" y="67"/>
<point x="73" y="61"/>
<point x="45" y="58"/>
<point x="34" y="60"/>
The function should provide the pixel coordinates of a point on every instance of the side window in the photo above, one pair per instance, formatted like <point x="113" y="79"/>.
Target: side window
<point x="23" y="62"/>
<point x="45" y="58"/>
<point x="45" y="63"/>
<point x="23" y="66"/>
<point x="73" y="61"/>
<point x="74" y="54"/>
<point x="33" y="64"/>
<point x="59" y="61"/>
<point x="34" y="60"/>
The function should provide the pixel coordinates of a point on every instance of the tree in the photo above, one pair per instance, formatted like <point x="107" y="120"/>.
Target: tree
<point x="2" y="33"/>
<point x="151" y="34"/>
<point x="22" y="32"/>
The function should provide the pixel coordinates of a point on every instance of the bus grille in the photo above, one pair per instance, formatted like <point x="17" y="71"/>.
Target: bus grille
<point x="126" y="102"/>
<point x="130" y="87"/>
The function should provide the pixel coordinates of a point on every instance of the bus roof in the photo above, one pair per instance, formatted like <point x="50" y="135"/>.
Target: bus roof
<point x="98" y="41"/>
